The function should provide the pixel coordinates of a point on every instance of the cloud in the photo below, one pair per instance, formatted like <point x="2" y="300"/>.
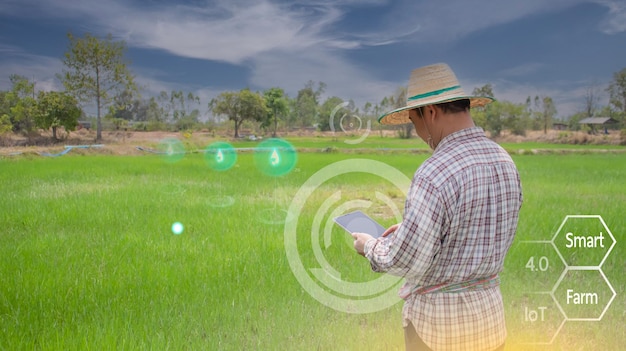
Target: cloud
<point x="455" y="19"/>
<point x="616" y="18"/>
<point x="288" y="43"/>
<point x="292" y="70"/>
<point x="522" y="70"/>
<point x="568" y="96"/>
<point x="8" y="49"/>
<point x="41" y="69"/>
<point x="152" y="87"/>
<point x="222" y="30"/>
<point x="285" y="44"/>
<point x="230" y="31"/>
<point x="237" y="34"/>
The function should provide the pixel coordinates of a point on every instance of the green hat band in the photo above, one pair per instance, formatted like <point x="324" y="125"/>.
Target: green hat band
<point x="433" y="93"/>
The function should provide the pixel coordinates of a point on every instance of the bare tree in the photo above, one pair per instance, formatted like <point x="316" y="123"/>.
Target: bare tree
<point x="96" y="71"/>
<point x="591" y="99"/>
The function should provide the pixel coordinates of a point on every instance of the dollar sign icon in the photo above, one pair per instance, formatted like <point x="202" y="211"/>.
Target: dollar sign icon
<point x="220" y="156"/>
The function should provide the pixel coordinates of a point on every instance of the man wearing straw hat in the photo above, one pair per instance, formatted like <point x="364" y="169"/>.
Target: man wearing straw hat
<point x="460" y="217"/>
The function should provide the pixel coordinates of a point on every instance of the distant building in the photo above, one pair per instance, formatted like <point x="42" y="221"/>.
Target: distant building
<point x="84" y="124"/>
<point x="598" y="122"/>
<point x="559" y="126"/>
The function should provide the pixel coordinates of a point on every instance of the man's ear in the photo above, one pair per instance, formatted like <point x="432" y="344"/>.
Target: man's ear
<point x="434" y="112"/>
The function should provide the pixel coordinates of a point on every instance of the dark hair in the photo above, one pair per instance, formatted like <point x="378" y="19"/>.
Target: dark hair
<point x="455" y="106"/>
<point x="448" y="107"/>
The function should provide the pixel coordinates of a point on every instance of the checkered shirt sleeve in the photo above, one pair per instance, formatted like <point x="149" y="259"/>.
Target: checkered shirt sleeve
<point x="460" y="219"/>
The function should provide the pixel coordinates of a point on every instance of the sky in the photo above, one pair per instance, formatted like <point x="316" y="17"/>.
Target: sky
<point x="362" y="50"/>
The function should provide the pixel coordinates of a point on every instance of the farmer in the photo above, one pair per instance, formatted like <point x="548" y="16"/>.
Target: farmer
<point x="460" y="217"/>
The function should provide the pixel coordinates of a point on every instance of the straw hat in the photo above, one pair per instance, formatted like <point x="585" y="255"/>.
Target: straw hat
<point x="430" y="85"/>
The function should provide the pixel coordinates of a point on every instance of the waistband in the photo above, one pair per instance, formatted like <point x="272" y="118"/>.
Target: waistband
<point x="470" y="285"/>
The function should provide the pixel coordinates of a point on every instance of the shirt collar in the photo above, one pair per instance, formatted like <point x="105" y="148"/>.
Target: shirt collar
<point x="460" y="136"/>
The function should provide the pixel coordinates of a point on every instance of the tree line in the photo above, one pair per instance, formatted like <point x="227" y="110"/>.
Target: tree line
<point x="97" y="74"/>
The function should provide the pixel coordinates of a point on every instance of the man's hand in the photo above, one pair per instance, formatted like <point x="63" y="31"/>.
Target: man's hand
<point x="359" y="242"/>
<point x="391" y="229"/>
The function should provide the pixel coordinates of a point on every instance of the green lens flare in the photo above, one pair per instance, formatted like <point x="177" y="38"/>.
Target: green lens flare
<point x="177" y="228"/>
<point x="172" y="150"/>
<point x="220" y="156"/>
<point x="275" y="157"/>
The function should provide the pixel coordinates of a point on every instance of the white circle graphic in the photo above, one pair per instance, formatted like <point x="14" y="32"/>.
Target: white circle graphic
<point x="350" y="297"/>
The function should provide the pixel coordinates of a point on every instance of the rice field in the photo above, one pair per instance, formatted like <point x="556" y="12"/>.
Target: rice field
<point x="88" y="258"/>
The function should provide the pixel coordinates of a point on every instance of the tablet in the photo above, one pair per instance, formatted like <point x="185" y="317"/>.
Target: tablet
<point x="359" y="222"/>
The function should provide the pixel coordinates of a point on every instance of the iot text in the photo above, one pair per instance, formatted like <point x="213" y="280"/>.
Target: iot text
<point x="533" y="315"/>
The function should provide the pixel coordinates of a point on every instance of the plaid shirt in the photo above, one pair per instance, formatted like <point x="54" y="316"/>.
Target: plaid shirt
<point x="460" y="218"/>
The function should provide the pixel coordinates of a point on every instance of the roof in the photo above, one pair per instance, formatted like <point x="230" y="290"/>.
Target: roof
<point x="597" y="120"/>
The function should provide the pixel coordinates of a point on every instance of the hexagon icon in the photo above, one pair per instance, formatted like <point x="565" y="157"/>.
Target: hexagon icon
<point x="583" y="294"/>
<point x="583" y="240"/>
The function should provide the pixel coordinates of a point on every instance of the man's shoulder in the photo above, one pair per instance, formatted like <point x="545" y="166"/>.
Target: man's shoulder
<point x="475" y="149"/>
<point x="458" y="157"/>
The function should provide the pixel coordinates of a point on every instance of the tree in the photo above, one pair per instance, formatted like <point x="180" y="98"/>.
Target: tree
<point x="239" y="106"/>
<point x="56" y="109"/>
<point x="125" y="106"/>
<point x="18" y="104"/>
<point x="479" y="114"/>
<point x="548" y="112"/>
<point x="515" y="117"/>
<point x="543" y="111"/>
<point x="397" y="100"/>
<point x="367" y="109"/>
<point x="179" y="108"/>
<point x="501" y="115"/>
<point x="591" y="100"/>
<point x="96" y="72"/>
<point x="484" y="91"/>
<point x="185" y="109"/>
<point x="183" y="105"/>
<point x="154" y="115"/>
<point x="5" y="121"/>
<point x="307" y="102"/>
<point x="330" y="106"/>
<point x="494" y="122"/>
<point x="5" y="124"/>
<point x="617" y="94"/>
<point x="5" y="109"/>
<point x="376" y="112"/>
<point x="573" y="122"/>
<point x="277" y="106"/>
<point x="383" y="107"/>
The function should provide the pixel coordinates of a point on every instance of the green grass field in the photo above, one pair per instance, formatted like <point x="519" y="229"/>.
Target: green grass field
<point x="89" y="261"/>
<point x="375" y="141"/>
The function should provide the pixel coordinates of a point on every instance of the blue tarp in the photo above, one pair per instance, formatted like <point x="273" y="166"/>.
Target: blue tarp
<point x="68" y="148"/>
